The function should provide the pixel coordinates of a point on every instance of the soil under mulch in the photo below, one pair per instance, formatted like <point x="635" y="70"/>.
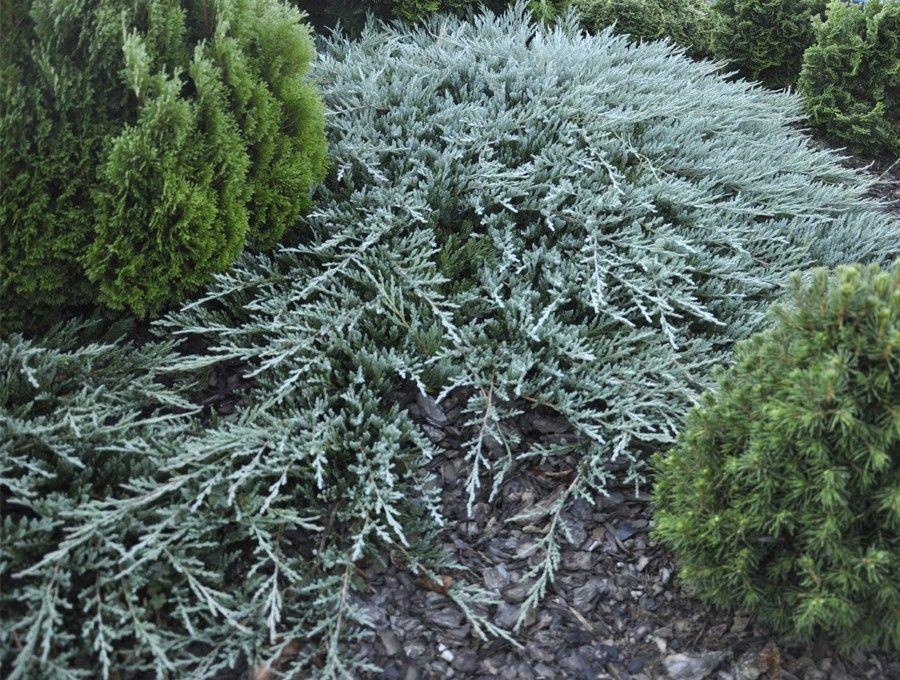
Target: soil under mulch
<point x="615" y="609"/>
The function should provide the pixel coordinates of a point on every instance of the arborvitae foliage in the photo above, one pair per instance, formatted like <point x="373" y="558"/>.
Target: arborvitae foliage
<point x="684" y="22"/>
<point x="851" y="75"/>
<point x="613" y="218"/>
<point x="765" y="38"/>
<point x="144" y="143"/>
<point x="783" y="494"/>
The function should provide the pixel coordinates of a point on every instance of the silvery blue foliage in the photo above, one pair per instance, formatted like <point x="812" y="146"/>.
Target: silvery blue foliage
<point x="632" y="215"/>
<point x="542" y="219"/>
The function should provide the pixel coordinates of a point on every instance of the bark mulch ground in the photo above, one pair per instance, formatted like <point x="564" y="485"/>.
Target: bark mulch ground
<point x="615" y="610"/>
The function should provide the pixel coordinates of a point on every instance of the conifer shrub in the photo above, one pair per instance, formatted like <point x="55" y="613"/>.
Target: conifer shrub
<point x="764" y="38"/>
<point x="851" y="75"/>
<point x="145" y="143"/>
<point x="783" y="494"/>
<point x="525" y="212"/>
<point x="684" y="22"/>
<point x="77" y="410"/>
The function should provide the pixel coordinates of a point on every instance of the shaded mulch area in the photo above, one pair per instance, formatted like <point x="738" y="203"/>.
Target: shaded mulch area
<point x="615" y="610"/>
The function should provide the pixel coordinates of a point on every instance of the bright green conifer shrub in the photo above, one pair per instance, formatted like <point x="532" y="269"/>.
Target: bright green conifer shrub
<point x="764" y="38"/>
<point x="145" y="143"/>
<point x="783" y="494"/>
<point x="684" y="22"/>
<point x="526" y="212"/>
<point x="851" y="75"/>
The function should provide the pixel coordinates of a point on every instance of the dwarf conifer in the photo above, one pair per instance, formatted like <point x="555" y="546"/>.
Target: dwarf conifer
<point x="782" y="496"/>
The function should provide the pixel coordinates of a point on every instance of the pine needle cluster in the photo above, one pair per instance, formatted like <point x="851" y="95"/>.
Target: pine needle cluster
<point x="783" y="494"/>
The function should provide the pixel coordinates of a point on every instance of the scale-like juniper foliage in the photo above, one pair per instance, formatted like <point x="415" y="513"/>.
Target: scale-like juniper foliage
<point x="81" y="416"/>
<point x="542" y="217"/>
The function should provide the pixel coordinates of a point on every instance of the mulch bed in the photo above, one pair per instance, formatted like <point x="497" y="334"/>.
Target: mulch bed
<point x="615" y="610"/>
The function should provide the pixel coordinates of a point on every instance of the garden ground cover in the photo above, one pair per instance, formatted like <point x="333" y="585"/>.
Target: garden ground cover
<point x="529" y="222"/>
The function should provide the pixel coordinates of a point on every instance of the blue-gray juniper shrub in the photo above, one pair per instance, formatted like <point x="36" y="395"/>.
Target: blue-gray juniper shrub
<point x="783" y="494"/>
<point x="537" y="217"/>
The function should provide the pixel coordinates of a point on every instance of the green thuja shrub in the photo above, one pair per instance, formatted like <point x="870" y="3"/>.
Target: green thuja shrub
<point x="851" y="75"/>
<point x="145" y="143"/>
<point x="764" y="38"/>
<point x="684" y="22"/>
<point x="783" y="494"/>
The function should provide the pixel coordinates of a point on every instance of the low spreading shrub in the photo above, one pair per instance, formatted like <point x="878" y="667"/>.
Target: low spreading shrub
<point x="783" y="494"/>
<point x="851" y="75"/>
<point x="532" y="215"/>
<point x="144" y="143"/>
<point x="684" y="22"/>
<point x="82" y="416"/>
<point x="765" y="38"/>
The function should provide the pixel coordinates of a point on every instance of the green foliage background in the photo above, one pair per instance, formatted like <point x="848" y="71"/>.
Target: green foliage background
<point x="765" y="38"/>
<point x="351" y="14"/>
<point x="684" y="22"/>
<point x="851" y="76"/>
<point x="145" y="143"/>
<point x="783" y="494"/>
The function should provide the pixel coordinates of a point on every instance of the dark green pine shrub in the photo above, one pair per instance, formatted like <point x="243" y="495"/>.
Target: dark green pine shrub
<point x="851" y="75"/>
<point x="684" y="22"/>
<point x="145" y="143"/>
<point x="764" y="38"/>
<point x="783" y="494"/>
